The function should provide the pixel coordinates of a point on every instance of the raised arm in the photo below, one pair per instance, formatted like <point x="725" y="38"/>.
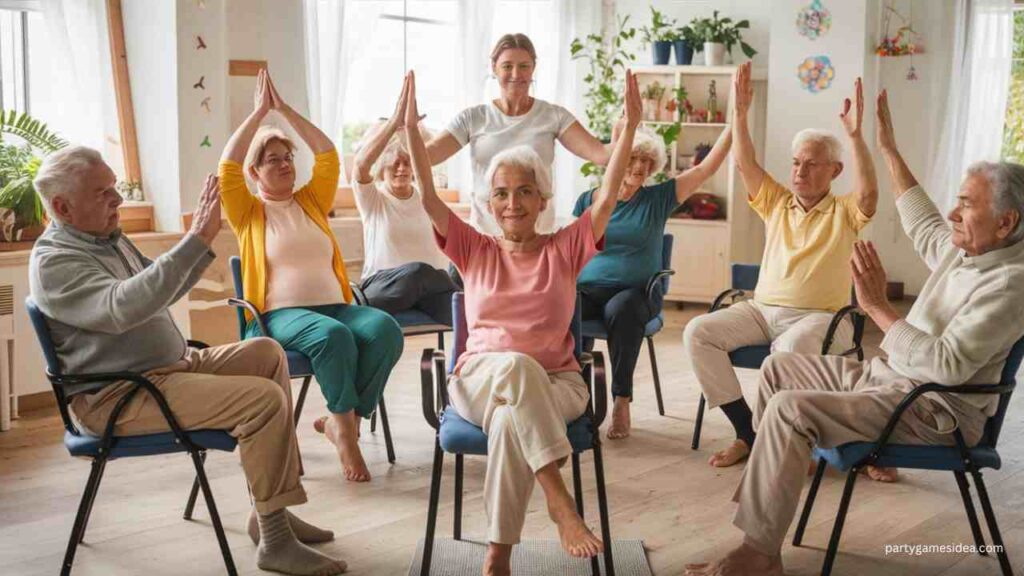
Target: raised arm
<point x="372" y="150"/>
<point x="235" y="195"/>
<point x="690" y="180"/>
<point x="583" y="144"/>
<point x="866" y="183"/>
<point x="902" y="178"/>
<point x="746" y="159"/>
<point x="606" y="196"/>
<point x="442" y="147"/>
<point x="317" y="141"/>
<point x="436" y="209"/>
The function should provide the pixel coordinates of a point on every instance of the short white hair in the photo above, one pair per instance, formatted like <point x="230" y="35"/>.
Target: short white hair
<point x="62" y="172"/>
<point x="822" y="137"/>
<point x="649" y="145"/>
<point x="398" y="144"/>
<point x="519" y="157"/>
<point x="1006" y="181"/>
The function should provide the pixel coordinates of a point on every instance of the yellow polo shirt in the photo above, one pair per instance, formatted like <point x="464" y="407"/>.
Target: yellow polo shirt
<point x="806" y="261"/>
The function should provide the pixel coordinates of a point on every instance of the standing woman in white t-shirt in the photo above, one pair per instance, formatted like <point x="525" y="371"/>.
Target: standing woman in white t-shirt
<point x="402" y="268"/>
<point x="515" y="118"/>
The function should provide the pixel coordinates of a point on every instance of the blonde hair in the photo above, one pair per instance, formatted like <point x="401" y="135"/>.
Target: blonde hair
<point x="650" y="146"/>
<point x="398" y="144"/>
<point x="511" y="42"/>
<point x="264" y="137"/>
<point x="519" y="157"/>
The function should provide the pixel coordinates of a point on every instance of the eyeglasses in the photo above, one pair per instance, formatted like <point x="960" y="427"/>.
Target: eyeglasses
<point x="276" y="161"/>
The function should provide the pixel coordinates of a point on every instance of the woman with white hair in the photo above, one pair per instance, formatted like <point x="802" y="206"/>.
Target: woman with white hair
<point x="613" y="285"/>
<point x="402" y="268"/>
<point x="293" y="272"/>
<point x="518" y="378"/>
<point x="514" y="118"/>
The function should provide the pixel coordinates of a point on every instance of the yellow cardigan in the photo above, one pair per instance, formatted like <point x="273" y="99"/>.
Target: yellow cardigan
<point x="247" y="218"/>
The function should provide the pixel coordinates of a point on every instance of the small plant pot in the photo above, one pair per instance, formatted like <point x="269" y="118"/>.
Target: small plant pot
<point x="684" y="52"/>
<point x="714" y="54"/>
<point x="661" y="50"/>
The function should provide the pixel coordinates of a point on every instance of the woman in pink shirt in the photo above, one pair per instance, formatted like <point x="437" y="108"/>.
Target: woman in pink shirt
<point x="518" y="378"/>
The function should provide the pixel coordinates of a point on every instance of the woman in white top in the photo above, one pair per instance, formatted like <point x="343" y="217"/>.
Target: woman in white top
<point x="515" y="118"/>
<point x="403" y="268"/>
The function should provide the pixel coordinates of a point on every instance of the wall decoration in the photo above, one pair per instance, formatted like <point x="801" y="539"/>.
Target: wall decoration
<point x="814" y="21"/>
<point x="199" y="84"/>
<point x="206" y="142"/>
<point x="905" y="41"/>
<point x="816" y="73"/>
<point x="200" y="44"/>
<point x="205" y="104"/>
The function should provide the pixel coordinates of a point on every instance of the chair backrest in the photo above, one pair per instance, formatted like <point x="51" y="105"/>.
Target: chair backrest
<point x="42" y="331"/>
<point x="1009" y="377"/>
<point x="666" y="260"/>
<point x="236" y="277"/>
<point x="460" y="331"/>
<point x="744" y="276"/>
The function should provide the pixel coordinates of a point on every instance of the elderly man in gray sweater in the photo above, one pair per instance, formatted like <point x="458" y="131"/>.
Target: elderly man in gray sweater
<point x="107" y="309"/>
<point x="959" y="331"/>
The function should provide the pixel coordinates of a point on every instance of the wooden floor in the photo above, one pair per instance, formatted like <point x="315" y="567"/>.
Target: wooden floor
<point x="659" y="490"/>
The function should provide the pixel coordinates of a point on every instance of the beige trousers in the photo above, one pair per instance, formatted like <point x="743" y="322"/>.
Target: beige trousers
<point x="806" y="400"/>
<point x="709" y="338"/>
<point x="523" y="410"/>
<point x="242" y="388"/>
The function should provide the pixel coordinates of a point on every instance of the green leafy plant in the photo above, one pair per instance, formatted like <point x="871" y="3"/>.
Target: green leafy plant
<point x="19" y="164"/>
<point x="607" y="61"/>
<point x="723" y="31"/>
<point x="654" y="91"/>
<point x="660" y="30"/>
<point x="1013" y="133"/>
<point x="690" y="36"/>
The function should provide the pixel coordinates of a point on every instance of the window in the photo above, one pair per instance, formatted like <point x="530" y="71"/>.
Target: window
<point x="14" y="28"/>
<point x="1013" y="135"/>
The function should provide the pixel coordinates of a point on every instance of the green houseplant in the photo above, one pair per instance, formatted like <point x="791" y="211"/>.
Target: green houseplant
<point x="686" y="43"/>
<point x="661" y="34"/>
<point x="22" y="214"/>
<point x="719" y="35"/>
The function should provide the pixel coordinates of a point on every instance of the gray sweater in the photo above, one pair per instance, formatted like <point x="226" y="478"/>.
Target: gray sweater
<point x="106" y="304"/>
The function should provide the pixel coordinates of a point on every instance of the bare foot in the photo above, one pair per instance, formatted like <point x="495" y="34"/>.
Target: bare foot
<point x="320" y="423"/>
<point x="498" y="561"/>
<point x="741" y="561"/>
<point x="880" y="474"/>
<point x="576" y="538"/>
<point x="734" y="454"/>
<point x="620" y="419"/>
<point x="340" y="430"/>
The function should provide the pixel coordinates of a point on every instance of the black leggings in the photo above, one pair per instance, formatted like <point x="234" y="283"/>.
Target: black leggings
<point x="625" y="312"/>
<point x="413" y="285"/>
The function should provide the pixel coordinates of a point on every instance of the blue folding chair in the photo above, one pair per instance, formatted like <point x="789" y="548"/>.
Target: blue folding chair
<point x="596" y="329"/>
<point x="110" y="446"/>
<point x="299" y="365"/>
<point x="959" y="459"/>
<point x="744" y="280"/>
<point x="458" y="436"/>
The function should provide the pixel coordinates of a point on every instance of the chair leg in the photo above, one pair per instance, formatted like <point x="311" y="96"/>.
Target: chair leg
<point x="972" y="515"/>
<point x="697" y="424"/>
<point x="809" y="503"/>
<point x="657" y="380"/>
<point x="211" y="506"/>
<point x="837" y="529"/>
<point x="373" y="422"/>
<point x="78" y="528"/>
<point x="577" y="484"/>
<point x="302" y="398"/>
<point x="440" y="341"/>
<point x="435" y="492"/>
<point x="993" y="527"/>
<point x="457" y="521"/>
<point x="92" y="500"/>
<point x="387" y="430"/>
<point x="602" y="507"/>
<point x="190" y="506"/>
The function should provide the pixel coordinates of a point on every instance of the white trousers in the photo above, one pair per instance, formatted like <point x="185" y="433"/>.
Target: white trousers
<point x="524" y="411"/>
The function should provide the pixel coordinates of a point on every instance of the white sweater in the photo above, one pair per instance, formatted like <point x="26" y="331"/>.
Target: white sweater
<point x="968" y="315"/>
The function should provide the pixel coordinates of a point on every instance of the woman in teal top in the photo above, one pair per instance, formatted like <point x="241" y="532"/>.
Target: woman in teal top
<point x="613" y="284"/>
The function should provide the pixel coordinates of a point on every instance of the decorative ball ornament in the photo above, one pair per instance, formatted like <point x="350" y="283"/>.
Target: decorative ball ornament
<point x="814" y="20"/>
<point x="816" y="73"/>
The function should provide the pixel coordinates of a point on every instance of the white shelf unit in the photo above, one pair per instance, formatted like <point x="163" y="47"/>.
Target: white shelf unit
<point x="703" y="249"/>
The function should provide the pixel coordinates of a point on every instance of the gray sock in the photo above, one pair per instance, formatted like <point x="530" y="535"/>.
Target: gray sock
<point x="304" y="531"/>
<point x="281" y="551"/>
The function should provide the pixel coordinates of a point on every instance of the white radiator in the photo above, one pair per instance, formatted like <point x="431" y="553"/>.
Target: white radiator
<point x="8" y="400"/>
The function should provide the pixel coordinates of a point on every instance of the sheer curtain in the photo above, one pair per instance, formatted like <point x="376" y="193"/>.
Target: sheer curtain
<point x="976" y="103"/>
<point x="475" y="29"/>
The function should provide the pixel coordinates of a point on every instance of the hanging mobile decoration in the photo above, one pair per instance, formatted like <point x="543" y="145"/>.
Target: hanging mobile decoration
<point x="206" y="142"/>
<point x="912" y="71"/>
<point x="816" y="73"/>
<point x="814" y="20"/>
<point x="906" y="41"/>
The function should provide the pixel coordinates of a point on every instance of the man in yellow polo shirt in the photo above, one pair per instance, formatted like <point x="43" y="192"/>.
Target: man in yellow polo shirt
<point x="805" y="274"/>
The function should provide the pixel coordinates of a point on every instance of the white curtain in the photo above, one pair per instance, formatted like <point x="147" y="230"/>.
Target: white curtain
<point x="976" y="103"/>
<point x="81" y="65"/>
<point x="326" y="64"/>
<point x="475" y="27"/>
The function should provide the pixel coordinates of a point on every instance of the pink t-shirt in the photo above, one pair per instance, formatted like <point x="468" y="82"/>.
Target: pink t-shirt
<point x="521" y="301"/>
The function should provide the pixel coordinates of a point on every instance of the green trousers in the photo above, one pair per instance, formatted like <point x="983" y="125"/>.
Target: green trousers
<point x="352" y="349"/>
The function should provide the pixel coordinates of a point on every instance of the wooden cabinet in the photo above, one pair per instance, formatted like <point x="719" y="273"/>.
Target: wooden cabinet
<point x="700" y="258"/>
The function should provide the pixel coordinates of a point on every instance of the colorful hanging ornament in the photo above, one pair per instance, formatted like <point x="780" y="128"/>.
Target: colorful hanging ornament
<point x="814" y="20"/>
<point x="906" y="40"/>
<point x="816" y="73"/>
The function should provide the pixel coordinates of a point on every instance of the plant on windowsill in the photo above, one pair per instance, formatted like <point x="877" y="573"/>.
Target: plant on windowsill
<point x="22" y="215"/>
<point x="719" y="35"/>
<point x="660" y="35"/>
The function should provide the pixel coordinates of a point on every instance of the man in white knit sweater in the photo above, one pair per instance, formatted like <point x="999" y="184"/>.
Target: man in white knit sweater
<point x="959" y="331"/>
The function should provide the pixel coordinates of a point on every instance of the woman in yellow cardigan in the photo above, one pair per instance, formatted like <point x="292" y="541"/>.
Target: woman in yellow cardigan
<point x="294" y="273"/>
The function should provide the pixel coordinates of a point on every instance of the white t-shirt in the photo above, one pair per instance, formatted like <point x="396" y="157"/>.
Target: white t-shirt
<point x="395" y="231"/>
<point x="299" y="259"/>
<point x="489" y="131"/>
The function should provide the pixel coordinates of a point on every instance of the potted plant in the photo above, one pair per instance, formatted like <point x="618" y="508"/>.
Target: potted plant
<point x="719" y="36"/>
<point x="22" y="214"/>
<point x="682" y="102"/>
<point x="660" y="35"/>
<point x="652" y="95"/>
<point x="686" y="42"/>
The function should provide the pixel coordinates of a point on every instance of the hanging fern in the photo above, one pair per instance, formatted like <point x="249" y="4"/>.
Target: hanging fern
<point x="32" y="131"/>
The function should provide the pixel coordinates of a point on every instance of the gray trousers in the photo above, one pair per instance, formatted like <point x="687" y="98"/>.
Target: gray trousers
<point x="413" y="285"/>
